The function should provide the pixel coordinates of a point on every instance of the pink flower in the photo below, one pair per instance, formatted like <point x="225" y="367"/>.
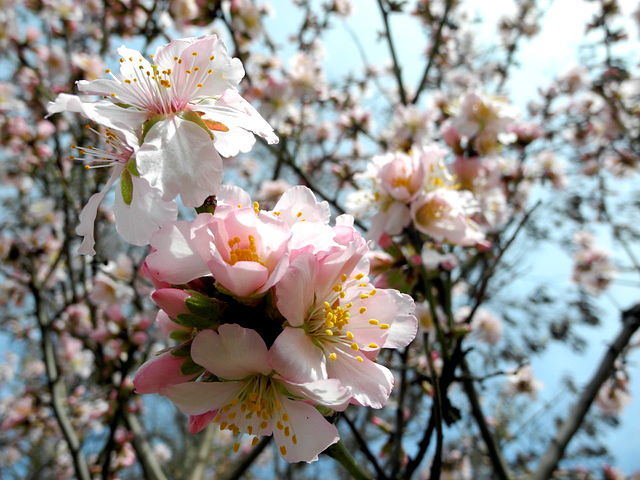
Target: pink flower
<point x="445" y="215"/>
<point x="253" y="399"/>
<point x="337" y="322"/>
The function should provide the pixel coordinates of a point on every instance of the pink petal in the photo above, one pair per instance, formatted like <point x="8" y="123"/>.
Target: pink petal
<point x="232" y="353"/>
<point x="295" y="291"/>
<point x="175" y="260"/>
<point x="158" y="373"/>
<point x="199" y="422"/>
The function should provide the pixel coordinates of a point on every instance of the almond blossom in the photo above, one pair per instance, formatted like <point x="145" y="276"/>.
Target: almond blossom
<point x="251" y="397"/>
<point x="183" y="107"/>
<point x="337" y="322"/>
<point x="139" y="209"/>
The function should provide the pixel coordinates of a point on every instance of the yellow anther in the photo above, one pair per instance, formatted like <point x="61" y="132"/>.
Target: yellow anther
<point x="332" y="356"/>
<point x="373" y="321"/>
<point x="196" y="69"/>
<point x="363" y="284"/>
<point x="199" y="85"/>
<point x="283" y="450"/>
<point x="255" y="441"/>
<point x="337" y="287"/>
<point x="188" y="72"/>
<point x="329" y="332"/>
<point x="384" y="326"/>
<point x="349" y="335"/>
<point x="373" y="345"/>
<point x="223" y="425"/>
<point x="359" y="358"/>
<point x="107" y="70"/>
<point x="299" y="214"/>
<point x="343" y="277"/>
<point x="127" y="81"/>
<point x="279" y="425"/>
<point x="359" y="276"/>
<point x="355" y="346"/>
<point x="194" y="53"/>
<point x="209" y="72"/>
<point x="294" y="440"/>
<point x="362" y="309"/>
<point x="113" y="95"/>
<point x="373" y="292"/>
<point x="285" y="417"/>
<point x="211" y="57"/>
<point x="250" y="430"/>
<point x="236" y="447"/>
<point x="287" y="431"/>
<point x="364" y="296"/>
<point x="348" y="305"/>
<point x="327" y="306"/>
<point x="264" y="425"/>
<point x="342" y="294"/>
<point x="256" y="207"/>
<point x="122" y="60"/>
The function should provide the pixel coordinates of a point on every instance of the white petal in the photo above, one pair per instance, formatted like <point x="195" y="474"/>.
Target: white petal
<point x="232" y="353"/>
<point x="136" y="223"/>
<point x="296" y="358"/>
<point x="195" y="398"/>
<point x="313" y="433"/>
<point x="178" y="157"/>
<point x="88" y="214"/>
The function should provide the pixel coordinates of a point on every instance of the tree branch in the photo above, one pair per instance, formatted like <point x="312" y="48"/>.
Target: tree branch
<point x="495" y="455"/>
<point x="555" y="451"/>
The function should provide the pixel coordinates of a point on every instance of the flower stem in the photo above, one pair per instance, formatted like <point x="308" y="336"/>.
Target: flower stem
<point x="340" y="454"/>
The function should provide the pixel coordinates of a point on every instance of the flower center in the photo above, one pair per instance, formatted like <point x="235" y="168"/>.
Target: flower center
<point x="239" y="252"/>
<point x="431" y="211"/>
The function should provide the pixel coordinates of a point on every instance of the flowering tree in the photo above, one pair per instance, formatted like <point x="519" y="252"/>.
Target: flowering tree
<point x="220" y="246"/>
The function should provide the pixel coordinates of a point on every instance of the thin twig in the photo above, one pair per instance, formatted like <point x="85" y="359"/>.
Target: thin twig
<point x="365" y="448"/>
<point x="397" y="70"/>
<point x="497" y="461"/>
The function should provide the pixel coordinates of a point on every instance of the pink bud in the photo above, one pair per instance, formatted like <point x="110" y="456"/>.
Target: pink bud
<point x="171" y="300"/>
<point x="159" y="373"/>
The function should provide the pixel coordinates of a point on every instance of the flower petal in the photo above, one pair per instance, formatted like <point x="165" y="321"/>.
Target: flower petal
<point x="196" y="398"/>
<point x="295" y="291"/>
<point x="90" y="211"/>
<point x="232" y="353"/>
<point x="137" y="222"/>
<point x="175" y="260"/>
<point x="312" y="433"/>
<point x="178" y="158"/>
<point x="158" y="373"/>
<point x="296" y="358"/>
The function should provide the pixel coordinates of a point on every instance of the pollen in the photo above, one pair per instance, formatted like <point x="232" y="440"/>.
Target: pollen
<point x="373" y="321"/>
<point x="355" y="346"/>
<point x="283" y="450"/>
<point x="359" y="276"/>
<point x="256" y="207"/>
<point x="199" y="85"/>
<point x="362" y="309"/>
<point x="255" y="441"/>
<point x="243" y="254"/>
<point x="359" y="358"/>
<point x="373" y="345"/>
<point x="384" y="326"/>
<point x="332" y="356"/>
<point x="236" y="447"/>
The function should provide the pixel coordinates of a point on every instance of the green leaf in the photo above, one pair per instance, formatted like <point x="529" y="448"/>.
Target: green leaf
<point x="183" y="350"/>
<point x="126" y="187"/>
<point x="195" y="118"/>
<point x="194" y="321"/>
<point x="189" y="367"/>
<point x="132" y="167"/>
<point x="146" y="126"/>
<point x="180" y="335"/>
<point x="202" y="306"/>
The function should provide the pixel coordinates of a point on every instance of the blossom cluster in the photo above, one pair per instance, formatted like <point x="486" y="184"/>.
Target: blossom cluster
<point x="593" y="269"/>
<point x="274" y="314"/>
